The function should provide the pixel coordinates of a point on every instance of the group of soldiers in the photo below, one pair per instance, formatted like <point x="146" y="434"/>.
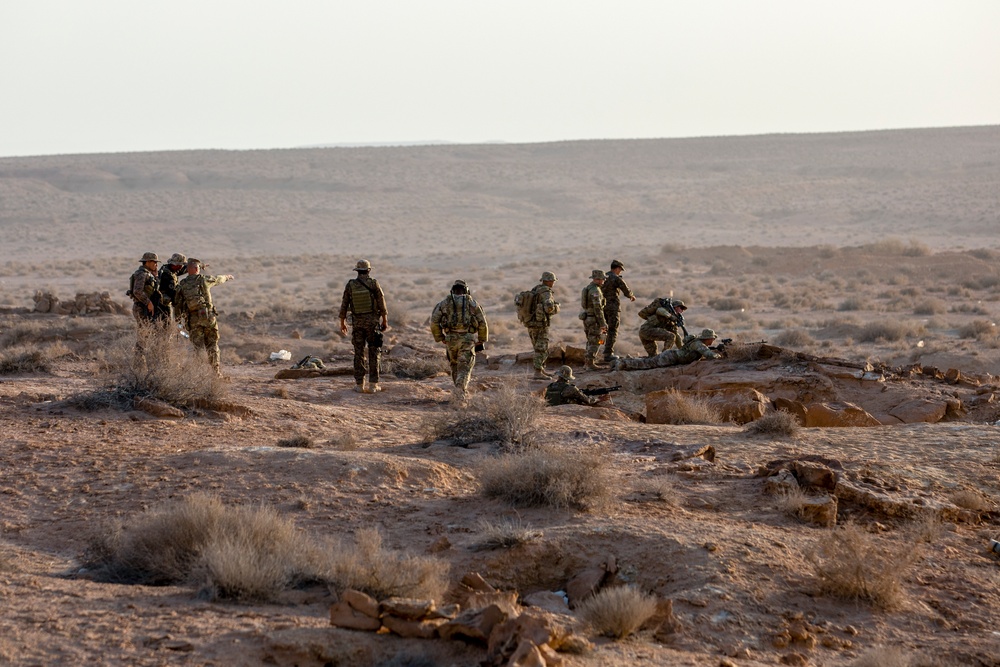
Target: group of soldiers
<point x="457" y="322"/>
<point x="161" y="297"/>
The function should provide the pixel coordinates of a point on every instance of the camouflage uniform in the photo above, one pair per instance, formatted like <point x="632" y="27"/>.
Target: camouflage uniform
<point x="194" y="299"/>
<point x="458" y="321"/>
<point x="538" y="328"/>
<point x="613" y="284"/>
<point x="169" y="278"/>
<point x="142" y="286"/>
<point x="692" y="350"/>
<point x="659" y="325"/>
<point x="561" y="392"/>
<point x="364" y="299"/>
<point x="592" y="314"/>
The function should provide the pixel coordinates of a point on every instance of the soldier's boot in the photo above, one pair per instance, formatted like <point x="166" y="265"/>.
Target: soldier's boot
<point x="460" y="396"/>
<point x="540" y="374"/>
<point x="594" y="365"/>
<point x="360" y="387"/>
<point x="373" y="388"/>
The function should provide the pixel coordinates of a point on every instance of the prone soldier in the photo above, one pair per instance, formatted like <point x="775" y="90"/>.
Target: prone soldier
<point x="693" y="348"/>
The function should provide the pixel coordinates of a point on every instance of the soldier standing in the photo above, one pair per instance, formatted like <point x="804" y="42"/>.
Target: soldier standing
<point x="142" y="289"/>
<point x="169" y="279"/>
<point x="194" y="299"/>
<point x="613" y="307"/>
<point x="592" y="302"/>
<point x="457" y="322"/>
<point x="661" y="324"/>
<point x="693" y="349"/>
<point x="363" y="297"/>
<point x="545" y="306"/>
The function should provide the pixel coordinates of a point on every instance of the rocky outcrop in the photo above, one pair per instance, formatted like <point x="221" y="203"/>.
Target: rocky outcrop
<point x="93" y="303"/>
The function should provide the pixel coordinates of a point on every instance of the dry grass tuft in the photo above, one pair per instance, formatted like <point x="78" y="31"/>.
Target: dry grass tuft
<point x="618" y="612"/>
<point x="548" y="477"/>
<point x="971" y="500"/>
<point x="980" y="330"/>
<point x="506" y="416"/>
<point x="505" y="532"/>
<point x="790" y="502"/>
<point x="885" y="331"/>
<point x="777" y="424"/>
<point x="344" y="441"/>
<point x="169" y="370"/>
<point x="250" y="554"/>
<point x="796" y="338"/>
<point x="302" y="441"/>
<point x="416" y="368"/>
<point x="849" y="563"/>
<point x="884" y="656"/>
<point x="680" y="409"/>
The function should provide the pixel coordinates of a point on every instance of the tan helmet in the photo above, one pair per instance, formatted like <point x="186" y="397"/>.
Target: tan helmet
<point x="706" y="334"/>
<point x="363" y="265"/>
<point x="149" y="257"/>
<point x="566" y="373"/>
<point x="548" y="276"/>
<point x="597" y="274"/>
<point x="677" y="303"/>
<point x="177" y="258"/>
<point x="615" y="264"/>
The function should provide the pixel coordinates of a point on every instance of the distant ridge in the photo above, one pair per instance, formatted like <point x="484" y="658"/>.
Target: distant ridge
<point x="394" y="144"/>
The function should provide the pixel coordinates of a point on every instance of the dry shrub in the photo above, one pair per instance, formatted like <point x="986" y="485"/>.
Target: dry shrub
<point x="680" y="409"/>
<point x="854" y="303"/>
<point x="618" y="612"/>
<point x="978" y="330"/>
<point x="971" y="500"/>
<point x="23" y="333"/>
<point x="885" y="331"/>
<point x="727" y="303"/>
<point x="302" y="441"/>
<point x="791" y="501"/>
<point x="930" y="306"/>
<point x="169" y="369"/>
<point x="505" y="532"/>
<point x="660" y="488"/>
<point x="344" y="441"/>
<point x="504" y="415"/>
<point x="849" y="563"/>
<point x="793" y="338"/>
<point x="416" y="368"/>
<point x="250" y="553"/>
<point x="926" y="527"/>
<point x="777" y="424"/>
<point x="547" y="477"/>
<point x="21" y="359"/>
<point x="369" y="567"/>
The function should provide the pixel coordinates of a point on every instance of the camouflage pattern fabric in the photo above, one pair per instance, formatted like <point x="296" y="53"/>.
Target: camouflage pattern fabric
<point x="561" y="392"/>
<point x="592" y="301"/>
<point x="689" y="352"/>
<point x="363" y="330"/>
<point x="143" y="285"/>
<point x="659" y="325"/>
<point x="168" y="282"/>
<point x="194" y="299"/>
<point x="458" y="321"/>
<point x="613" y="285"/>
<point x="538" y="329"/>
<point x="370" y="285"/>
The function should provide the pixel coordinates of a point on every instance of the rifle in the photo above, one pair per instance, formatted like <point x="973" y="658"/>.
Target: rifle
<point x="669" y="305"/>
<point x="600" y="391"/>
<point x="727" y="344"/>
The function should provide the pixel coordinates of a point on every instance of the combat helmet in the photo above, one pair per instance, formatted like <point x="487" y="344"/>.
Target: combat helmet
<point x="548" y="276"/>
<point x="566" y="373"/>
<point x="149" y="257"/>
<point x="677" y="303"/>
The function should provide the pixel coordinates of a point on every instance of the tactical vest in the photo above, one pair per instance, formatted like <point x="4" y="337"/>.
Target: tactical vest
<point x="148" y="287"/>
<point x="362" y="301"/>
<point x="196" y="294"/>
<point x="462" y="315"/>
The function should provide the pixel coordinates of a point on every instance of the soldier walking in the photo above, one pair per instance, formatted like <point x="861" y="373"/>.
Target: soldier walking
<point x="613" y="307"/>
<point x="364" y="299"/>
<point x="594" y="326"/>
<point x="545" y="306"/>
<point x="194" y="299"/>
<point x="458" y="321"/>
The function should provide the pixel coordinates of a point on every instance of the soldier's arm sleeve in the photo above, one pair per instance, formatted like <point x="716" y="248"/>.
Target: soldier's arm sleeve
<point x="483" y="328"/>
<point x="648" y="310"/>
<point x="380" y="308"/>
<point x="704" y="351"/>
<point x="599" y="308"/>
<point x="436" y="324"/>
<point x="572" y="394"/>
<point x="345" y="302"/>
<point x="139" y="288"/>
<point x="625" y="289"/>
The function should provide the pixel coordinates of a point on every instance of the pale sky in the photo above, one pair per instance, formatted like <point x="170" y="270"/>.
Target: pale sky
<point x="83" y="76"/>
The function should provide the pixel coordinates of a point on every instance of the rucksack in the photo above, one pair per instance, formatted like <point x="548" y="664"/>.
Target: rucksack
<point x="525" y="304"/>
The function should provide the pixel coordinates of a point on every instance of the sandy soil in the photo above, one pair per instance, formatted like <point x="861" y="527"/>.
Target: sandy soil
<point x="805" y="240"/>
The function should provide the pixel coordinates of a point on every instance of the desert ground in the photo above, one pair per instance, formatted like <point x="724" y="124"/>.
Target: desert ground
<point x="867" y="263"/>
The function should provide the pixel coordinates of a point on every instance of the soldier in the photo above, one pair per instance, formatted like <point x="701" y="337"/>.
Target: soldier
<point x="168" y="280"/>
<point x="592" y="302"/>
<point x="369" y="318"/>
<point x="457" y="322"/>
<point x="613" y="307"/>
<point x="194" y="299"/>
<point x="661" y="324"/>
<point x="693" y="349"/>
<point x="562" y="392"/>
<point x="143" y="290"/>
<point x="545" y="306"/>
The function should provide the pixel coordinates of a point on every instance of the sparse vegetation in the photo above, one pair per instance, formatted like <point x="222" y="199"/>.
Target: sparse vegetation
<point x="504" y="415"/>
<point x="302" y="441"/>
<point x="416" y="368"/>
<point x="548" y="476"/>
<point x="794" y="338"/>
<point x="852" y="564"/>
<point x="776" y="424"/>
<point x="884" y="331"/>
<point x="980" y="330"/>
<point x="618" y="612"/>
<point x="678" y="408"/>
<point x="505" y="532"/>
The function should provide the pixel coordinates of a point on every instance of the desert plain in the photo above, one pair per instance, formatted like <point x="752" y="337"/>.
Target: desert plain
<point x="868" y="262"/>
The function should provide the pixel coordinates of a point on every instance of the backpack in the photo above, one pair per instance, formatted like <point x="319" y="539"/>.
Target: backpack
<point x="525" y="304"/>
